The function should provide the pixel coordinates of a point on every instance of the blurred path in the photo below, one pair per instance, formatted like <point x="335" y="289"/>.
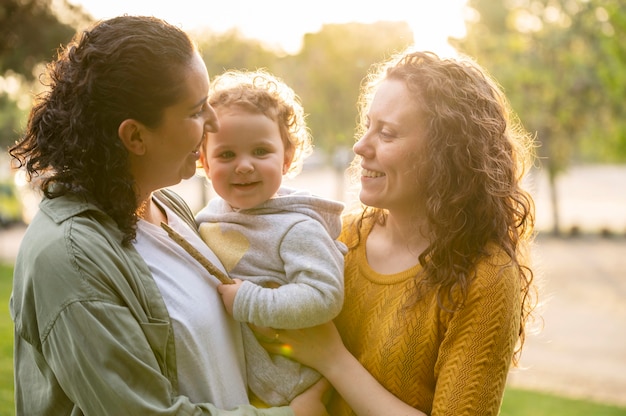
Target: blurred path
<point x="590" y="197"/>
<point x="581" y="350"/>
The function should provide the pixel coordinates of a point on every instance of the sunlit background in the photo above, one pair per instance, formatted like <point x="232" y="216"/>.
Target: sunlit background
<point x="561" y="63"/>
<point x="588" y="196"/>
<point x="282" y="23"/>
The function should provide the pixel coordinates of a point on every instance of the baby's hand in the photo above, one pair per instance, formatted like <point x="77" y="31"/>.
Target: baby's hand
<point x="228" y="293"/>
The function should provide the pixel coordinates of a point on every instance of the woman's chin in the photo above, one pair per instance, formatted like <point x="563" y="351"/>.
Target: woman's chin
<point x="367" y="199"/>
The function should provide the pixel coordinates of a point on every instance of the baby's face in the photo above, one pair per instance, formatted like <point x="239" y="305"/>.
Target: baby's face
<point x="245" y="160"/>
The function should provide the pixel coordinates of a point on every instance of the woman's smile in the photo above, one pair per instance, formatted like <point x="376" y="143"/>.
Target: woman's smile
<point x="366" y="173"/>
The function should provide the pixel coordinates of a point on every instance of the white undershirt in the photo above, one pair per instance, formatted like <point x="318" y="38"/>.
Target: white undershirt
<point x="209" y="350"/>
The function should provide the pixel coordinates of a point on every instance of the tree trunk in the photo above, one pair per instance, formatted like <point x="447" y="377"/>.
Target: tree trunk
<point x="556" y="226"/>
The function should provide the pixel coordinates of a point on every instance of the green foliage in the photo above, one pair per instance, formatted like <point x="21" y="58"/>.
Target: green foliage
<point x="562" y="66"/>
<point x="10" y="205"/>
<point x="230" y="50"/>
<point x="561" y="63"/>
<point x="12" y="119"/>
<point x="332" y="64"/>
<point x="30" y="32"/>
<point x="528" y="403"/>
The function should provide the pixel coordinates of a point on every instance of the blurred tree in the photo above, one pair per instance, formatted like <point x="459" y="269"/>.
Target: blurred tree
<point x="11" y="117"/>
<point x="327" y="74"/>
<point x="553" y="58"/>
<point x="30" y="32"/>
<point x="604" y="27"/>
<point x="231" y="50"/>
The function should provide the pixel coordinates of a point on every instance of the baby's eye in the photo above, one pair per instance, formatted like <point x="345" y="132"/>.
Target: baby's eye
<point x="227" y="155"/>
<point x="261" y="152"/>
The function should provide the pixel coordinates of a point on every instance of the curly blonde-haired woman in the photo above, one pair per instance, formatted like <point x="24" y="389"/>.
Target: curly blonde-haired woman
<point x="438" y="284"/>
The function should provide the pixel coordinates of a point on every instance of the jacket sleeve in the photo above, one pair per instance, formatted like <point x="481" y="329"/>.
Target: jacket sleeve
<point x="313" y="264"/>
<point x="478" y="345"/>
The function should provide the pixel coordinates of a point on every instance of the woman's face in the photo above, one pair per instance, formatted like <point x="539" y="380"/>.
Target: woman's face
<point x="246" y="158"/>
<point x="390" y="149"/>
<point x="173" y="148"/>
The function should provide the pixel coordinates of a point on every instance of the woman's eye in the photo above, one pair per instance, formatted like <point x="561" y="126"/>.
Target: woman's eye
<point x="386" y="134"/>
<point x="202" y="110"/>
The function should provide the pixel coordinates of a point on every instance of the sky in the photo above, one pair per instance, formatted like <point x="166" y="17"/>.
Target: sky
<point x="282" y="23"/>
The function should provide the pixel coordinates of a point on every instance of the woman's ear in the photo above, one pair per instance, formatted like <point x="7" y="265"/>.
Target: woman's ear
<point x="129" y="132"/>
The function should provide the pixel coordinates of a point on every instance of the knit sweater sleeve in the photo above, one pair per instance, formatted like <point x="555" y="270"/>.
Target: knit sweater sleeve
<point x="478" y="344"/>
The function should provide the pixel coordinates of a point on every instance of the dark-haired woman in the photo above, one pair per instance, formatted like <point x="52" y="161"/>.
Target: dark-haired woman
<point x="438" y="285"/>
<point x="111" y="315"/>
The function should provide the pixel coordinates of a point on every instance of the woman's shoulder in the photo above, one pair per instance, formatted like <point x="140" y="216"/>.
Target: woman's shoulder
<point x="350" y="224"/>
<point x="496" y="270"/>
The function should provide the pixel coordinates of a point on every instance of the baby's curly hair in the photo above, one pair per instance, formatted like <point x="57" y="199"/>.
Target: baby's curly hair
<point x="263" y="93"/>
<point x="122" y="68"/>
<point x="470" y="171"/>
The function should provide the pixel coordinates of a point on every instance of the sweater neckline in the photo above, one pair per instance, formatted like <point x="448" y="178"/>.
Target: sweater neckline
<point x="379" y="278"/>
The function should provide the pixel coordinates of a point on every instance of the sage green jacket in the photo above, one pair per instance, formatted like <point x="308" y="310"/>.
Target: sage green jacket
<point x="92" y="332"/>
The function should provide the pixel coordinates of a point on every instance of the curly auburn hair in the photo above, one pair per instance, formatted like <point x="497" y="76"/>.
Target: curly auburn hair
<point x="477" y="155"/>
<point x="260" y="92"/>
<point x="127" y="67"/>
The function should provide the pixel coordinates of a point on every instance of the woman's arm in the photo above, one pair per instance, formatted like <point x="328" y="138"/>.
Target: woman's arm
<point x="475" y="355"/>
<point x="311" y="401"/>
<point x="321" y="347"/>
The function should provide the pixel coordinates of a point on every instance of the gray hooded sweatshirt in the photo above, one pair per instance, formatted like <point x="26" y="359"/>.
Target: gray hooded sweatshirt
<point x="291" y="241"/>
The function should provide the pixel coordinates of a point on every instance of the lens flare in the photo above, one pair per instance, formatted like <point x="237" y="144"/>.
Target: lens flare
<point x="286" y="350"/>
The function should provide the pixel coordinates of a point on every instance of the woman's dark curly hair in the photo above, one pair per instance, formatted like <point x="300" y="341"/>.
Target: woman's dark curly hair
<point x="477" y="154"/>
<point x="128" y="67"/>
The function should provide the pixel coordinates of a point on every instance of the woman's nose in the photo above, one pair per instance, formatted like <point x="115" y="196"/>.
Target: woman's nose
<point x="361" y="147"/>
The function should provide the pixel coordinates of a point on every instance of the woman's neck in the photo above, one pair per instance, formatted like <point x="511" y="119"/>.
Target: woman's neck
<point x="395" y="246"/>
<point x="151" y="212"/>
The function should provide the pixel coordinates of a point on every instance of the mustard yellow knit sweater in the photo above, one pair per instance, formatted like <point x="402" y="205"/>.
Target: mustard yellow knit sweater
<point x="441" y="363"/>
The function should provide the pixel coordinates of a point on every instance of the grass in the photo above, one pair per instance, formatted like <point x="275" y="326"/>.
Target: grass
<point x="529" y="403"/>
<point x="6" y="343"/>
<point x="516" y="402"/>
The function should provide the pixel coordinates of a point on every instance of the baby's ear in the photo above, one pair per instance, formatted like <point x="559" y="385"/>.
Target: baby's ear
<point x="289" y="154"/>
<point x="202" y="163"/>
<point x="129" y="133"/>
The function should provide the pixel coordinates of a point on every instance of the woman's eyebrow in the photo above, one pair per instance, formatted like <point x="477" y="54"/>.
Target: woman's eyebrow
<point x="200" y="102"/>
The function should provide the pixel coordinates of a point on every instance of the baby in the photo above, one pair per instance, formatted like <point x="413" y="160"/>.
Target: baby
<point x="278" y="244"/>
